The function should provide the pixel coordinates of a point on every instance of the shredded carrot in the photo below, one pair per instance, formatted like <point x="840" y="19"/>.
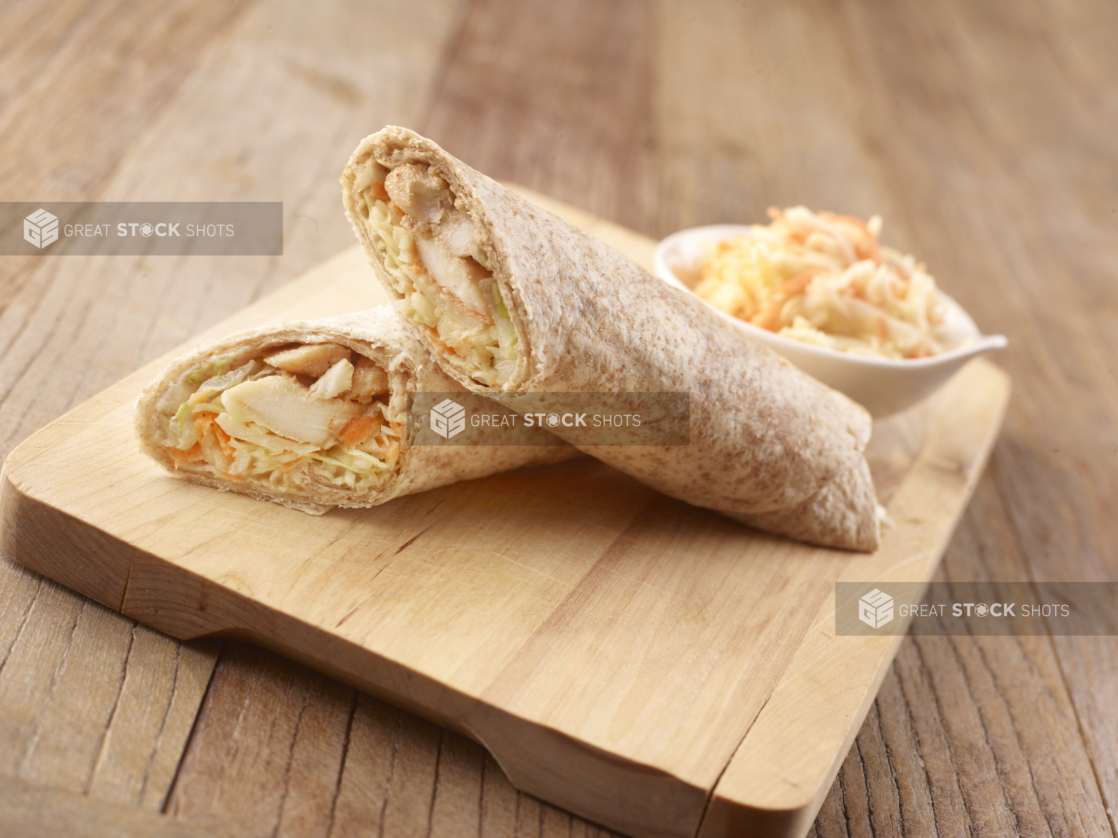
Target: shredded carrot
<point x="190" y="455"/>
<point x="359" y="429"/>
<point x="202" y="422"/>
<point x="795" y="285"/>
<point x="768" y="317"/>
<point x="377" y="190"/>
<point x="440" y="343"/>
<point x="882" y="325"/>
<point x="868" y="247"/>
<point x="223" y="440"/>
<point x="484" y="318"/>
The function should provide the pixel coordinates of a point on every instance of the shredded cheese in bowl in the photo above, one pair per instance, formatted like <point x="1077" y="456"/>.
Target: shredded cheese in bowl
<point x="826" y="280"/>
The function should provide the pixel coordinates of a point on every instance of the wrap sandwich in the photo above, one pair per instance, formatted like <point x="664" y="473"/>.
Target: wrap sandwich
<point x="510" y="299"/>
<point x="311" y="415"/>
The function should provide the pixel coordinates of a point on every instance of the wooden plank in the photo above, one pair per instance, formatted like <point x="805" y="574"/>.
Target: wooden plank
<point x="740" y="127"/>
<point x="49" y="81"/>
<point x="163" y="684"/>
<point x="294" y="764"/>
<point x="155" y="50"/>
<point x="27" y="809"/>
<point x="1007" y="91"/>
<point x="64" y="663"/>
<point x="96" y="717"/>
<point x="91" y="701"/>
<point x="335" y="762"/>
<point x="556" y="97"/>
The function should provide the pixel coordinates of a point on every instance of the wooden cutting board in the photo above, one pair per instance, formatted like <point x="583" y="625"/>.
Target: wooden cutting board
<point x="645" y="664"/>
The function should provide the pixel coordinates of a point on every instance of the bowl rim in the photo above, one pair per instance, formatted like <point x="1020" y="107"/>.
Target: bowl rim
<point x="971" y="345"/>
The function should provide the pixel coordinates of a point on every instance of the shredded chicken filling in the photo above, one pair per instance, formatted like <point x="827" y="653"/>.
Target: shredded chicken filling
<point x="308" y="416"/>
<point x="432" y="249"/>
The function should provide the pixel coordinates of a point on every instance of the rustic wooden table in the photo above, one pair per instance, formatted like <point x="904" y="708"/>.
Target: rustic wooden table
<point x="984" y="133"/>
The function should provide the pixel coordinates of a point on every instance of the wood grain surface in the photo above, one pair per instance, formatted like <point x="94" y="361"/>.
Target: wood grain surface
<point x="641" y="662"/>
<point x="983" y="132"/>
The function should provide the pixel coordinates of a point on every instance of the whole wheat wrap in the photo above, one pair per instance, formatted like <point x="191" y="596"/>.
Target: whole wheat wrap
<point x="511" y="299"/>
<point x="311" y="415"/>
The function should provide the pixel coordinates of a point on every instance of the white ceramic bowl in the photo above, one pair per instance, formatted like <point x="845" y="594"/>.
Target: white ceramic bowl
<point x="883" y="385"/>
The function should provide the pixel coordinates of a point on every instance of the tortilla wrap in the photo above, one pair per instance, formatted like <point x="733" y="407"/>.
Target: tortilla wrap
<point x="510" y="299"/>
<point x="312" y="415"/>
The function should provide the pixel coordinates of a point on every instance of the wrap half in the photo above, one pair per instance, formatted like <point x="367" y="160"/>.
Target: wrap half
<point x="510" y="299"/>
<point x="311" y="415"/>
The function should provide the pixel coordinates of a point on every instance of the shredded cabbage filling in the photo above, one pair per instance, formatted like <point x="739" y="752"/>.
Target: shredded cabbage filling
<point x="304" y="417"/>
<point x="825" y="279"/>
<point x="443" y="275"/>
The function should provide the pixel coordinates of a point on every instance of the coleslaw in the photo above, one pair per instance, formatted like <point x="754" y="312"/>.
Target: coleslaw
<point x="825" y="279"/>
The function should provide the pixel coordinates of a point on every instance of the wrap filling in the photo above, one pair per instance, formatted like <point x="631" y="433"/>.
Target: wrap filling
<point x="434" y="252"/>
<point x="288" y="418"/>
